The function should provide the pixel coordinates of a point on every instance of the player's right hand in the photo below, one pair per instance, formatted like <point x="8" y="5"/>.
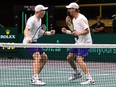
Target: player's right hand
<point x="27" y="40"/>
<point x="63" y="30"/>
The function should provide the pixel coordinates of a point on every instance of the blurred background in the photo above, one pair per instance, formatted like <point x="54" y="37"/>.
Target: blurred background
<point x="17" y="12"/>
<point x="15" y="63"/>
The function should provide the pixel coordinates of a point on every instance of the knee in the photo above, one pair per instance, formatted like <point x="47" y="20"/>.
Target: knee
<point x="70" y="58"/>
<point x="79" y="60"/>
<point x="36" y="56"/>
<point x="44" y="57"/>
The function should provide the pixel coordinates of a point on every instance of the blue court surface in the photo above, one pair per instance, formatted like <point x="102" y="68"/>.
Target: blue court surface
<point x="18" y="73"/>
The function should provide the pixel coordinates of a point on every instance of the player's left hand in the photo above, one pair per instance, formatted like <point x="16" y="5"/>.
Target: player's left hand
<point x="52" y="32"/>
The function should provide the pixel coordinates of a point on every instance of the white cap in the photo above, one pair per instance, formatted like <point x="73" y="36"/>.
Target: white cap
<point x="40" y="7"/>
<point x="73" y="5"/>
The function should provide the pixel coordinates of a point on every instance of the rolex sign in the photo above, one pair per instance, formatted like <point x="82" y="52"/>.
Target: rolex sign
<point x="8" y="35"/>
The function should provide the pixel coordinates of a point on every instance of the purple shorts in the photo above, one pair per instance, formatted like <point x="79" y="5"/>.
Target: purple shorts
<point x="80" y="51"/>
<point x="33" y="50"/>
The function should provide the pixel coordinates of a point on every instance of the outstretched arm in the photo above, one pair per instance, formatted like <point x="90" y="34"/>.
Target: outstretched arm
<point x="75" y="33"/>
<point x="51" y="32"/>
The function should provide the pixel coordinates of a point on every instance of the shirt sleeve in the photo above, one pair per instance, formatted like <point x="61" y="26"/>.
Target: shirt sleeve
<point x="29" y="24"/>
<point x="84" y="24"/>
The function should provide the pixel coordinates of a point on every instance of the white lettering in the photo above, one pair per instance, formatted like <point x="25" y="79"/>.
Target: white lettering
<point x="7" y="36"/>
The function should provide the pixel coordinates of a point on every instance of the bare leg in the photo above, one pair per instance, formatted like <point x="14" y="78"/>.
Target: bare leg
<point x="83" y="66"/>
<point x="43" y="61"/>
<point x="38" y="62"/>
<point x="72" y="63"/>
<point x="70" y="59"/>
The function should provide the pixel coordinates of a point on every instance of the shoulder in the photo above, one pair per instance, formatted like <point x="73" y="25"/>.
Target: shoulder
<point x="82" y="17"/>
<point x="31" y="19"/>
<point x="101" y="23"/>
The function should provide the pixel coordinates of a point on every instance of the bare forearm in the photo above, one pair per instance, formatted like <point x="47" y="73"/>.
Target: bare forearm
<point x="26" y="32"/>
<point x="75" y="33"/>
<point x="86" y="31"/>
<point x="83" y="32"/>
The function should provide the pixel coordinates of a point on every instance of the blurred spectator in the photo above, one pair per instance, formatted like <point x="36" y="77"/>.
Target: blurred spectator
<point x="114" y="23"/>
<point x="98" y="27"/>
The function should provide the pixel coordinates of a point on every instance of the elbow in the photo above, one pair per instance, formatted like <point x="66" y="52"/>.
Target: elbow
<point x="87" y="31"/>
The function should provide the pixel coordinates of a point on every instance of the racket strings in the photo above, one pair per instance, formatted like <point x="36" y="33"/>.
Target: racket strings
<point x="40" y="31"/>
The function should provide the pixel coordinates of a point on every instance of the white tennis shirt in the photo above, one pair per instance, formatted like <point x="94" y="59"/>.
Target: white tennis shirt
<point x="33" y="23"/>
<point x="80" y="24"/>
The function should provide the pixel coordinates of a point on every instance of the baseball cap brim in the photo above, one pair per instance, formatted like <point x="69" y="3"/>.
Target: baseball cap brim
<point x="68" y="6"/>
<point x="45" y="8"/>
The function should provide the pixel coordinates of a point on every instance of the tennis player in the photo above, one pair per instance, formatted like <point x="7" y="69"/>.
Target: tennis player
<point x="82" y="31"/>
<point x="31" y="35"/>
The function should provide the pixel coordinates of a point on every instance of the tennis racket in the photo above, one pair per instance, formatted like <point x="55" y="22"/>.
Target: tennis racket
<point x="69" y="23"/>
<point x="40" y="31"/>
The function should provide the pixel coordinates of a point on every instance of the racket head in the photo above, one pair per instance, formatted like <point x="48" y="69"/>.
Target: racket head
<point x="42" y="29"/>
<point x="70" y="24"/>
<point x="39" y="32"/>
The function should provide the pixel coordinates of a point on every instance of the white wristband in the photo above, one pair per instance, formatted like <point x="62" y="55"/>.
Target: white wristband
<point x="48" y="33"/>
<point x="68" y="32"/>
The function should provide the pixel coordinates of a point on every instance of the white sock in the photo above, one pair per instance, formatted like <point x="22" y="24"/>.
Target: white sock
<point x="36" y="75"/>
<point x="88" y="76"/>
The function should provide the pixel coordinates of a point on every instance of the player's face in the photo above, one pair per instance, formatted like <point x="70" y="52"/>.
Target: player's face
<point x="71" y="11"/>
<point x="40" y="14"/>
